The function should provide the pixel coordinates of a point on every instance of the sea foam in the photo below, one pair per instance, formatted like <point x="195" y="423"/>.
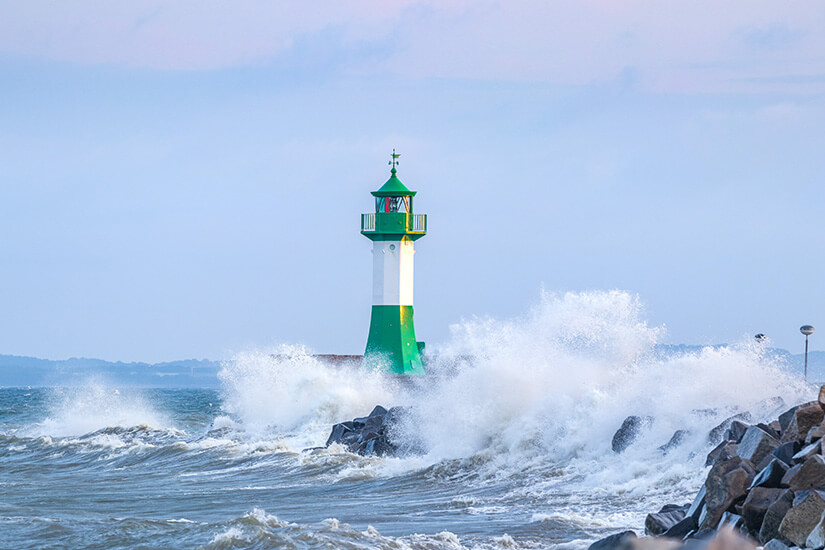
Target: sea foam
<point x="536" y="397"/>
<point x="96" y="405"/>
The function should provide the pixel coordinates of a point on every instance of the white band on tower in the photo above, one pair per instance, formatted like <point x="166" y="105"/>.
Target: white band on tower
<point x="392" y="273"/>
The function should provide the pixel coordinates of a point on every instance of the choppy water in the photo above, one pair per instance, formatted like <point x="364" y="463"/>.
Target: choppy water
<point x="518" y="444"/>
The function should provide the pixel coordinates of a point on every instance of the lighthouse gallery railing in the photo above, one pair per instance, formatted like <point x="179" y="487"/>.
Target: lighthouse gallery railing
<point x="367" y="222"/>
<point x="417" y="222"/>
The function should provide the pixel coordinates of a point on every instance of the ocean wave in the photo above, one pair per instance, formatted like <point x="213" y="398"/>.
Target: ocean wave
<point x="529" y="403"/>
<point x="96" y="406"/>
<point x="259" y="530"/>
<point x="515" y="419"/>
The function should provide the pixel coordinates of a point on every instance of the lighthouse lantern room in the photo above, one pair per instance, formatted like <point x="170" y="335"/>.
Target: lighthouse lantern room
<point x="393" y="229"/>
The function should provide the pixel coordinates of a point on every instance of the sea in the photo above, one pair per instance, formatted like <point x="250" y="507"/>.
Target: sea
<point x="513" y="424"/>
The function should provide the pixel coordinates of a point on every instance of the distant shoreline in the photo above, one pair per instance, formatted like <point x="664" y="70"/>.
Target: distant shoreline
<point x="23" y="371"/>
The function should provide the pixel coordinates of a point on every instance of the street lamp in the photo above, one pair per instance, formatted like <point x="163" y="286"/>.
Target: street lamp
<point x="807" y="330"/>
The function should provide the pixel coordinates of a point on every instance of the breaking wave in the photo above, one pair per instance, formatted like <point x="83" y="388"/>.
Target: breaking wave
<point x="259" y="530"/>
<point x="514" y="419"/>
<point x="95" y="406"/>
<point x="536" y="398"/>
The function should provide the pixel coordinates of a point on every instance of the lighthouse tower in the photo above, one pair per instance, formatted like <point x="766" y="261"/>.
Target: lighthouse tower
<point x="393" y="230"/>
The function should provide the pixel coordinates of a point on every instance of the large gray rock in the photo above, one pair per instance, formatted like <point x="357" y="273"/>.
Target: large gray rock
<point x="726" y="482"/>
<point x="676" y="440"/>
<point x="804" y="418"/>
<point x="618" y="541"/>
<point x="757" y="504"/>
<point x="771" y="429"/>
<point x="682" y="529"/>
<point x="629" y="431"/>
<point x="776" y="544"/>
<point x="736" y="431"/>
<point x="810" y="476"/>
<point x="369" y="435"/>
<point x="786" y="479"/>
<point x="664" y="519"/>
<point x="809" y="450"/>
<point x="756" y="444"/>
<point x="731" y="521"/>
<point x="721" y="453"/>
<point x="786" y="417"/>
<point x="802" y="518"/>
<point x="717" y="434"/>
<point x="698" y="504"/>
<point x="786" y="451"/>
<point x="771" y="476"/>
<point x="816" y="539"/>
<point x="815" y="434"/>
<point x="821" y="399"/>
<point x="774" y="516"/>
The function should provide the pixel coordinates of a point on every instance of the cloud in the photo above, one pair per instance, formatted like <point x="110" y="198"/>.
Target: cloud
<point x="179" y="34"/>
<point x="679" y="45"/>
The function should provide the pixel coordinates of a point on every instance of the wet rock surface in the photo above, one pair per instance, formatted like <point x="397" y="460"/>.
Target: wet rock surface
<point x="774" y="516"/>
<point x="726" y="483"/>
<point x="369" y="435"/>
<point x="618" y="541"/>
<point x="766" y="482"/>
<point x="756" y="506"/>
<point x="664" y="519"/>
<point x="629" y="431"/>
<point x="722" y="452"/>
<point x="718" y="433"/>
<point x="801" y="519"/>
<point x="756" y="444"/>
<point x="771" y="476"/>
<point x="766" y="485"/>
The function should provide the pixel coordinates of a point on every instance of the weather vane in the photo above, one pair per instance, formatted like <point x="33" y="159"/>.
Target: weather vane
<point x="394" y="162"/>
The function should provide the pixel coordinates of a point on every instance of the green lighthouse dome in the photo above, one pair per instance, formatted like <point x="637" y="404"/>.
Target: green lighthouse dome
<point x="393" y="188"/>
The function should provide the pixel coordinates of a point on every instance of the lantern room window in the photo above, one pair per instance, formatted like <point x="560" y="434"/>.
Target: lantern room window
<point x="393" y="204"/>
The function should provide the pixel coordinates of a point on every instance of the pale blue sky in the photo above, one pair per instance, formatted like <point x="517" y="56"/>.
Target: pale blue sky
<point x="186" y="181"/>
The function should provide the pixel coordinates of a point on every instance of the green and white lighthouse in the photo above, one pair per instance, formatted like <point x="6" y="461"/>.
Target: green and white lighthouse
<point x="393" y="229"/>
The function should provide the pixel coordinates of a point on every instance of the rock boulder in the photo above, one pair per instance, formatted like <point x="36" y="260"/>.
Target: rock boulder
<point x="629" y="431"/>
<point x="727" y="482"/>
<point x="676" y="439"/>
<point x="757" y="504"/>
<point x="717" y="434"/>
<point x="681" y="529"/>
<point x="810" y="476"/>
<point x="786" y="451"/>
<point x="774" y="516"/>
<point x="802" y="518"/>
<point x="664" y="519"/>
<point x="736" y="431"/>
<point x="756" y="444"/>
<point x="771" y="476"/>
<point x="776" y="544"/>
<point x="816" y="539"/>
<point x="722" y="452"/>
<point x="803" y="419"/>
<point x="369" y="435"/>
<point x="618" y="541"/>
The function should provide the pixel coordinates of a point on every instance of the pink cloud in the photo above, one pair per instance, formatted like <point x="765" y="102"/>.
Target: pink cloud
<point x="682" y="45"/>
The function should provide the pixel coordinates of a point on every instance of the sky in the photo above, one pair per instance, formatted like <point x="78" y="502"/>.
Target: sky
<point x="185" y="179"/>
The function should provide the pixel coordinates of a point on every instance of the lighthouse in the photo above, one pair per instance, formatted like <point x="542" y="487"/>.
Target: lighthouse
<point x="393" y="229"/>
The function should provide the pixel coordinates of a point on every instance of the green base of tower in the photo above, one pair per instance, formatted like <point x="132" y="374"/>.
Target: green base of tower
<point x="391" y="344"/>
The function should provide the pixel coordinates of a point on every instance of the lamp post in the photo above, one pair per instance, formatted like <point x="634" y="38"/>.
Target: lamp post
<point x="807" y="330"/>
